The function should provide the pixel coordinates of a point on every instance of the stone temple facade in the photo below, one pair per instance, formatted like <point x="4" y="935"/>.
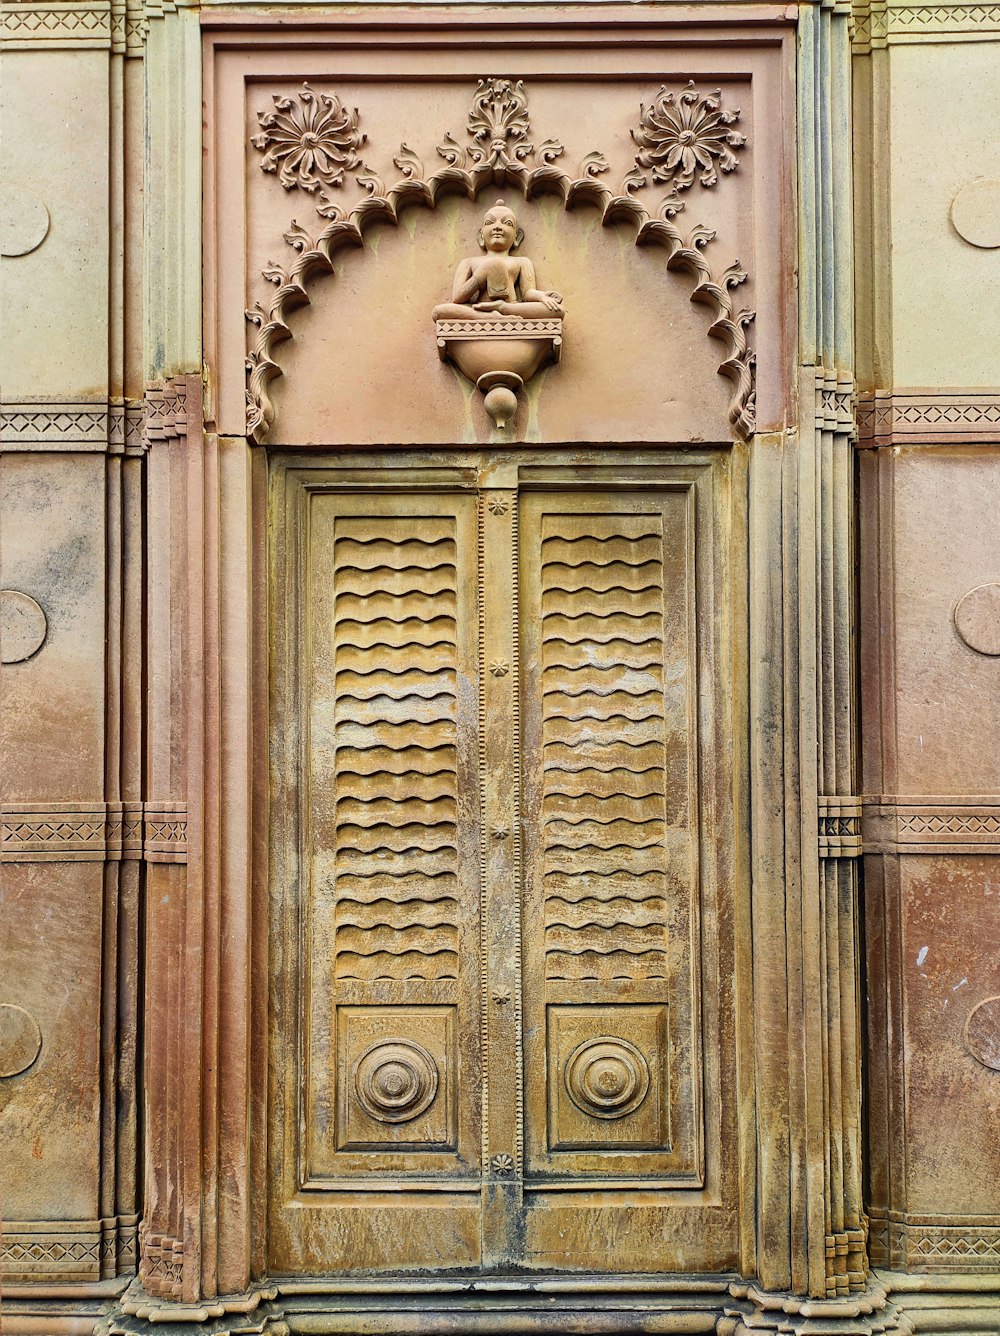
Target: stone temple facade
<point x="500" y="691"/>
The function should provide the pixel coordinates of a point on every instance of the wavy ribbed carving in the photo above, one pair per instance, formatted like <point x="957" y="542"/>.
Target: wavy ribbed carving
<point x="395" y="740"/>
<point x="498" y="156"/>
<point x="603" y="737"/>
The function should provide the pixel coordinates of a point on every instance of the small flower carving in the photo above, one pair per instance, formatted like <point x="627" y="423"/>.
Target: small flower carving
<point x="684" y="132"/>
<point x="501" y="997"/>
<point x="497" y="505"/>
<point x="499" y="668"/>
<point x="502" y="1163"/>
<point x="309" y="141"/>
<point x="501" y="832"/>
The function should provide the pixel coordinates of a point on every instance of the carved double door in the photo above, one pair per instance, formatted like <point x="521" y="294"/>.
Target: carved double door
<point x="504" y="878"/>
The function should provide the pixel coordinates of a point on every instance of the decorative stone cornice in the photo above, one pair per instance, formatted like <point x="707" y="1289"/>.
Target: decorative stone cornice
<point x="928" y="417"/>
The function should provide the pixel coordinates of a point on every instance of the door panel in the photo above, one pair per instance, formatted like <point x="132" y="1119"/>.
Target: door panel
<point x="382" y="925"/>
<point x="610" y="832"/>
<point x="501" y="838"/>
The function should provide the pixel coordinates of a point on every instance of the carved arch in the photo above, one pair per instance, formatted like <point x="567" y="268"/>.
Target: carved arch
<point x="467" y="172"/>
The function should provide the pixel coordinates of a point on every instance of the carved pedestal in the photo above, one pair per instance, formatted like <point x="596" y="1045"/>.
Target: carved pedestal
<point x="499" y="354"/>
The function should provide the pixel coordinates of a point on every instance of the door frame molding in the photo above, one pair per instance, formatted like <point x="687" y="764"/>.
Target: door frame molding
<point x="201" y="1258"/>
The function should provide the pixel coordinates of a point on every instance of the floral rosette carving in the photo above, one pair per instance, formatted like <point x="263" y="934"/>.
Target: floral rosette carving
<point x="684" y="132"/>
<point x="310" y="141"/>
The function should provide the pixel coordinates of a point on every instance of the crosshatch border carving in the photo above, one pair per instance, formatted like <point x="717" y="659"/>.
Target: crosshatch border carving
<point x="71" y="832"/>
<point x="118" y="25"/>
<point x="928" y="417"/>
<point x="876" y="24"/>
<point x="934" y="1242"/>
<point x="931" y="825"/>
<point x="102" y="426"/>
<point x="839" y="827"/>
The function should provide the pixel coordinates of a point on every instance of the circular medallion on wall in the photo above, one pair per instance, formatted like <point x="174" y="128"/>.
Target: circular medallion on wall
<point x="22" y="626"/>
<point x="24" y="221"/>
<point x="982" y="1033"/>
<point x="975" y="213"/>
<point x="977" y="618"/>
<point x="20" y="1040"/>
<point x="607" y="1077"/>
<point x="395" y="1080"/>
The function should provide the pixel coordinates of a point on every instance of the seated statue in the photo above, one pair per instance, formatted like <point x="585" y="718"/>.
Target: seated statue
<point x="499" y="283"/>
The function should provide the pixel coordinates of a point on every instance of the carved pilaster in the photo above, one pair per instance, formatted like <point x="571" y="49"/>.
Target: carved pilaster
<point x="169" y="1237"/>
<point x="193" y="1237"/>
<point x="809" y="1057"/>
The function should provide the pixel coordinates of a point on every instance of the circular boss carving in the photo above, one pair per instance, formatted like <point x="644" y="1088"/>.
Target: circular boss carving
<point x="20" y="1040"/>
<point x="395" y="1080"/>
<point x="982" y="1033"/>
<point x="975" y="213"/>
<point x="24" y="221"/>
<point x="22" y="626"/>
<point x="607" y="1078"/>
<point x="977" y="618"/>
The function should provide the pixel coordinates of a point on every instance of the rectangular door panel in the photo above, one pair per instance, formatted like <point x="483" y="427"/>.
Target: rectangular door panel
<point x="382" y="916"/>
<point x="611" y="847"/>
<point x="627" y="811"/>
<point x="503" y="869"/>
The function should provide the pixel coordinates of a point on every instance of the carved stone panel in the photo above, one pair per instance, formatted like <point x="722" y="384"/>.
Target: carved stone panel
<point x="931" y="830"/>
<point x="344" y="196"/>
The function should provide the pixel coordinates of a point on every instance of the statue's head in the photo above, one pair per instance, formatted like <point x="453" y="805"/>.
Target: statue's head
<point x="500" y="232"/>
